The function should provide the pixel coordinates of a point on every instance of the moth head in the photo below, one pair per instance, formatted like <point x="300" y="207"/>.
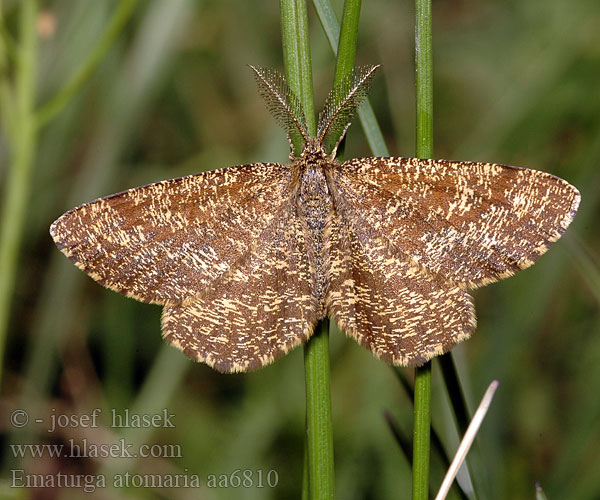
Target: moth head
<point x="313" y="150"/>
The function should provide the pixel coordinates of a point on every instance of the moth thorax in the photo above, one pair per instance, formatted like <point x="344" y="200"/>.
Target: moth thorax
<point x="314" y="203"/>
<point x="315" y="206"/>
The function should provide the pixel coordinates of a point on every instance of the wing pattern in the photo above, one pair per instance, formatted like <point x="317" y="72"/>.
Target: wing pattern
<point x="164" y="242"/>
<point x="258" y="312"/>
<point x="471" y="223"/>
<point x="389" y="305"/>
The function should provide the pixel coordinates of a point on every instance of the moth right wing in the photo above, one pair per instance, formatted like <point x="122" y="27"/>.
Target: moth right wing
<point x="471" y="223"/>
<point x="389" y="305"/>
<point x="167" y="241"/>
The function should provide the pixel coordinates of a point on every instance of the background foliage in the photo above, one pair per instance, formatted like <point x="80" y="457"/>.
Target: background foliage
<point x="515" y="82"/>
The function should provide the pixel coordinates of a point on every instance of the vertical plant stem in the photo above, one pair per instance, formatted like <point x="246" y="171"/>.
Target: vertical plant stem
<point x="318" y="414"/>
<point x="421" y="433"/>
<point x="23" y="137"/>
<point x="319" y="432"/>
<point x="346" y="52"/>
<point x="296" y="58"/>
<point x="424" y="149"/>
<point x="366" y="115"/>
<point x="424" y="79"/>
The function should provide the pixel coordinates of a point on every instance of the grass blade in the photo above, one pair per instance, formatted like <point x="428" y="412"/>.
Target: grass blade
<point x="467" y="440"/>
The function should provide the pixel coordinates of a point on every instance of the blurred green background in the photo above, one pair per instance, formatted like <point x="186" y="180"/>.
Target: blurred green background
<point x="515" y="82"/>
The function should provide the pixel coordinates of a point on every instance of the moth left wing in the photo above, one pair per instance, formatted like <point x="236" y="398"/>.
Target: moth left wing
<point x="165" y="242"/>
<point x="471" y="223"/>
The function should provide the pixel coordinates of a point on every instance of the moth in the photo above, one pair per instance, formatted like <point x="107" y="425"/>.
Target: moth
<point x="246" y="260"/>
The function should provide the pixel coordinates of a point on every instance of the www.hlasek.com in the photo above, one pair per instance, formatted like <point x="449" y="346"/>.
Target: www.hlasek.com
<point x="86" y="449"/>
<point x="239" y="478"/>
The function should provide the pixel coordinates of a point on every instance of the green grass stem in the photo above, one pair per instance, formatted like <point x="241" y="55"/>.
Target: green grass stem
<point x="346" y="53"/>
<point x="318" y="414"/>
<point x="296" y="59"/>
<point x="424" y="79"/>
<point x="319" y="429"/>
<point x="331" y="27"/>
<point x="424" y="149"/>
<point x="421" y="432"/>
<point x="436" y="442"/>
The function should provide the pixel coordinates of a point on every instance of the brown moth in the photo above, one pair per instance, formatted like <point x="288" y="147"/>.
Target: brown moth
<point x="246" y="260"/>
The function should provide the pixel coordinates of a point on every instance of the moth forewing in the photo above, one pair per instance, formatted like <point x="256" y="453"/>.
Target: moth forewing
<point x="468" y="222"/>
<point x="168" y="241"/>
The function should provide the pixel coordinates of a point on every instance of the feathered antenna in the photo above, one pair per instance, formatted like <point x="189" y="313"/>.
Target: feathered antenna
<point x="281" y="102"/>
<point x="341" y="105"/>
